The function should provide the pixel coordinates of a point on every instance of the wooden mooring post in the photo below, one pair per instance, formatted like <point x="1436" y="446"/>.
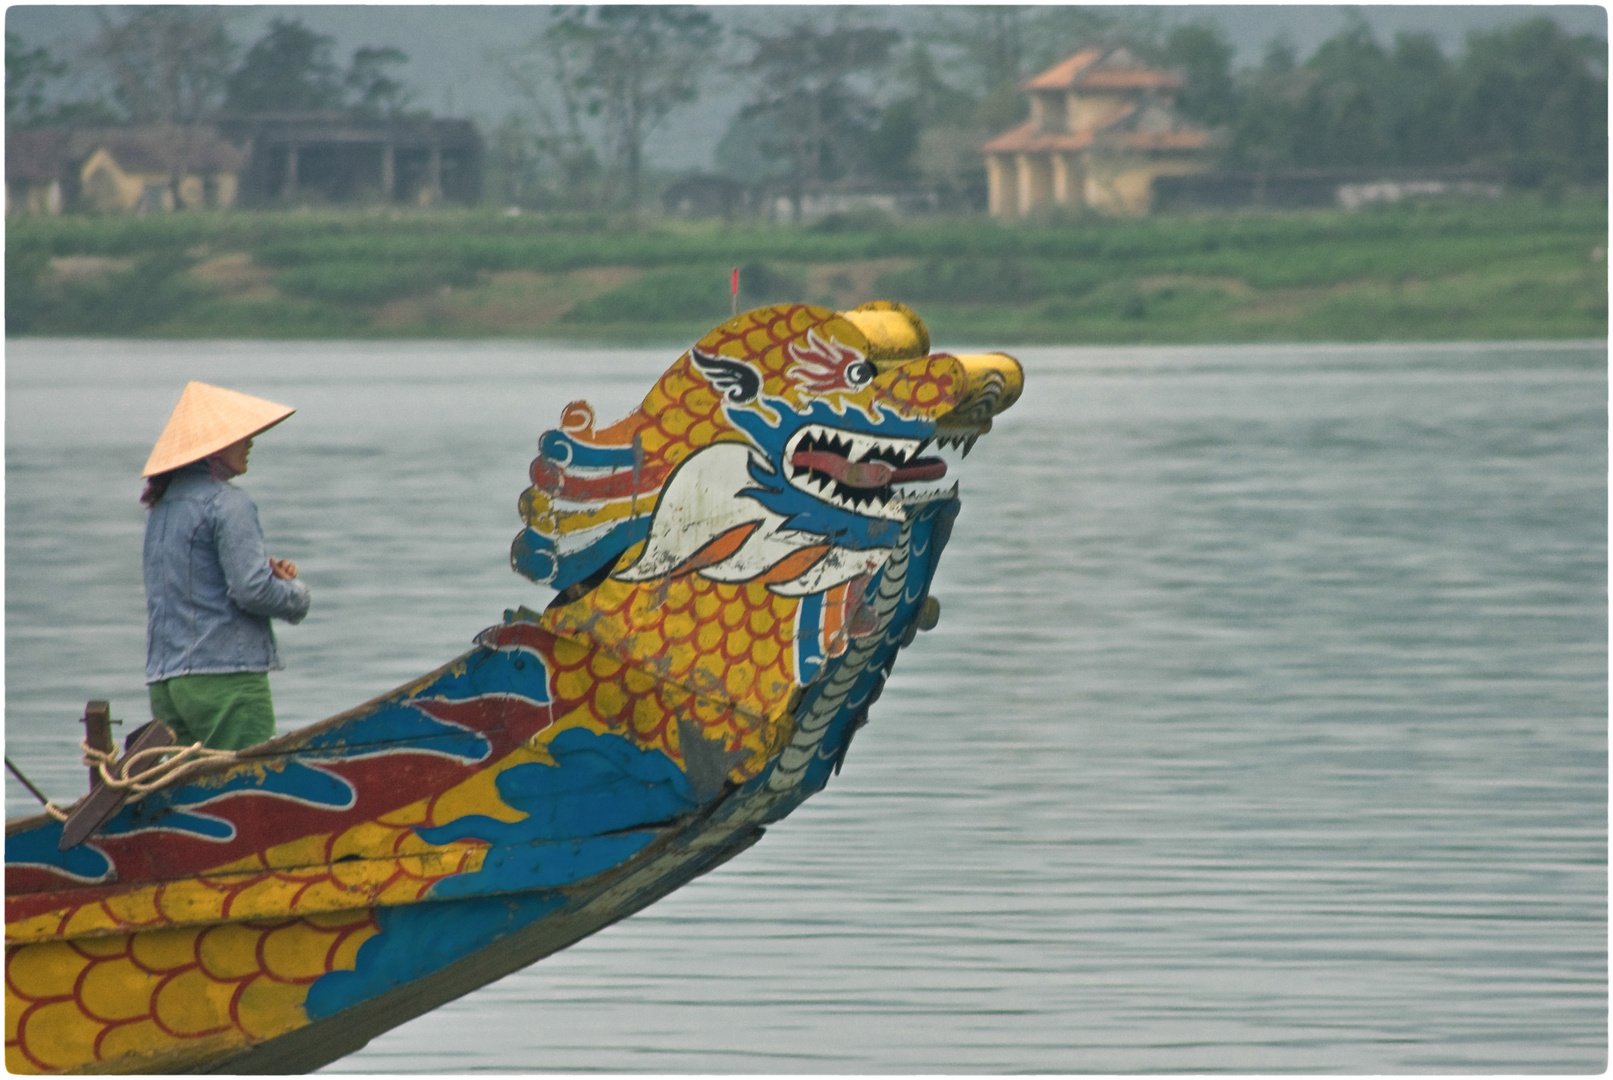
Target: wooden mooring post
<point x="98" y="733"/>
<point x="104" y="800"/>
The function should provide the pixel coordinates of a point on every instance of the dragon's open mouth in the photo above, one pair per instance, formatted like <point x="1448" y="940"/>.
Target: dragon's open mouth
<point x="858" y="472"/>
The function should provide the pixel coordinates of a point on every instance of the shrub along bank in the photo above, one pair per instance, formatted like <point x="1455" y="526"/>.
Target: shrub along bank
<point x="1522" y="267"/>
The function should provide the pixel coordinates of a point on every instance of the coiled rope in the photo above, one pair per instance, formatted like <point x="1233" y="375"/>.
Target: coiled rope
<point x="139" y="783"/>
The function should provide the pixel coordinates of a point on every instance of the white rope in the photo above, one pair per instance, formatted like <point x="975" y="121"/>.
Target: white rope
<point x="161" y="774"/>
<point x="164" y="773"/>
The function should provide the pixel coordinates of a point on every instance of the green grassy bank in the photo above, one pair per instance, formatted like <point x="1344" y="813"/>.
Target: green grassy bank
<point x="1520" y="267"/>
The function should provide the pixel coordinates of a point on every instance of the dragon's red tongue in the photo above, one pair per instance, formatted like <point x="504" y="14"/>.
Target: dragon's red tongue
<point x="867" y="474"/>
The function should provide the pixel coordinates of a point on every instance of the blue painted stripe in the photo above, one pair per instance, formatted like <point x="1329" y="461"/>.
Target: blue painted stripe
<point x="808" y="638"/>
<point x="563" y="450"/>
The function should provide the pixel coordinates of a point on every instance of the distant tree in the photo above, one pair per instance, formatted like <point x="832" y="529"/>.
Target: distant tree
<point x="292" y="68"/>
<point x="513" y="162"/>
<point x="1418" y="102"/>
<point x="937" y="99"/>
<point x="1338" y="108"/>
<point x="288" y="69"/>
<point x="989" y="43"/>
<point x="168" y="63"/>
<point x="817" y="117"/>
<point x="28" y="73"/>
<point x="1268" y="97"/>
<point x="1280" y="56"/>
<point x="1204" y="57"/>
<point x="1533" y="99"/>
<point x="630" y="66"/>
<point x="740" y="154"/>
<point x="548" y="144"/>
<point x="894" y="141"/>
<point x="927" y="114"/>
<point x="30" y="98"/>
<point x="370" y="85"/>
<point x="1529" y="98"/>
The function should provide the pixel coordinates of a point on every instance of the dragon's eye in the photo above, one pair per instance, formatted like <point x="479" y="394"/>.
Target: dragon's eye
<point x="859" y="374"/>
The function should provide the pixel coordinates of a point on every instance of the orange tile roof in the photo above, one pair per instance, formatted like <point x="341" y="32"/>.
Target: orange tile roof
<point x="1074" y="71"/>
<point x="1026" y="138"/>
<point x="1131" y="79"/>
<point x="1061" y="76"/>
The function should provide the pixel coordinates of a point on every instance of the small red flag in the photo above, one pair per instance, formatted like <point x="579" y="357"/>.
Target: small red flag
<point x="733" y="292"/>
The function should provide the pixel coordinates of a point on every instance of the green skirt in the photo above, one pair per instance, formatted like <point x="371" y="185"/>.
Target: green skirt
<point x="223" y="712"/>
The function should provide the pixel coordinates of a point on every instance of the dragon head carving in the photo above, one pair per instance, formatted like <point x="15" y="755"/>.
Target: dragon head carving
<point x="731" y="532"/>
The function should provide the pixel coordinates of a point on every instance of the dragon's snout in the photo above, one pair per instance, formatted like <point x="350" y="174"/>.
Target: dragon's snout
<point x="995" y="383"/>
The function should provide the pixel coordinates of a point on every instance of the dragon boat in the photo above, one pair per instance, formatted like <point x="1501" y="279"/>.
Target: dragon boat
<point x="736" y="565"/>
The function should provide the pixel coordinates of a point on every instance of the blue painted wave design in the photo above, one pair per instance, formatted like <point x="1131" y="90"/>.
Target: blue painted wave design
<point x="289" y="780"/>
<point x="391" y="728"/>
<point x="589" y="812"/>
<point x="398" y="726"/>
<point x="510" y="670"/>
<point x="37" y="847"/>
<point x="599" y="784"/>
<point x="418" y="939"/>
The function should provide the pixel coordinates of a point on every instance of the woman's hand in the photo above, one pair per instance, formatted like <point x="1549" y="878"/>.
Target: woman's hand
<point x="284" y="569"/>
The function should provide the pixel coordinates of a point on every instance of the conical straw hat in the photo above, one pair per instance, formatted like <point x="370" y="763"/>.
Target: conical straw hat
<point x="206" y="420"/>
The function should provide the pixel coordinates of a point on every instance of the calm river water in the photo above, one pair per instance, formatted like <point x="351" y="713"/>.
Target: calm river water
<point x="1265" y="727"/>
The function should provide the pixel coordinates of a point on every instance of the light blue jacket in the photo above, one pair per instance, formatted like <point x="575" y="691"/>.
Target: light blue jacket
<point x="209" y="590"/>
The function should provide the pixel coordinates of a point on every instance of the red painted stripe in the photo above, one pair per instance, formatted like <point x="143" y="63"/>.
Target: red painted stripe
<point x="554" y="481"/>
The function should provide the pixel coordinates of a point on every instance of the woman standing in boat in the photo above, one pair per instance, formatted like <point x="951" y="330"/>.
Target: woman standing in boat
<point x="210" y="587"/>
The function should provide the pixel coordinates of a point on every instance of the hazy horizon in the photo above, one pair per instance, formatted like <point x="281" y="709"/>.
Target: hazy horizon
<point x="450" y="72"/>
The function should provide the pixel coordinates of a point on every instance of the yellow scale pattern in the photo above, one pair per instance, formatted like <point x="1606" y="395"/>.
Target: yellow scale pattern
<point x="195" y="982"/>
<point x="155" y="994"/>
